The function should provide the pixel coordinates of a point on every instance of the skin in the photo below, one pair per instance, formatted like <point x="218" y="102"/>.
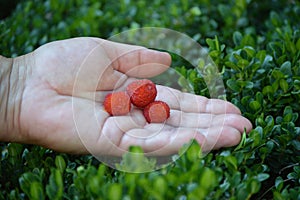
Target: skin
<point x="55" y="98"/>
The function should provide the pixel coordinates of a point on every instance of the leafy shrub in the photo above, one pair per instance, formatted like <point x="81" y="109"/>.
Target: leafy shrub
<point x="256" y="46"/>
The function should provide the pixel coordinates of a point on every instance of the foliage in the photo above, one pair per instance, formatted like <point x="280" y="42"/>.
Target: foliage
<point x="259" y="60"/>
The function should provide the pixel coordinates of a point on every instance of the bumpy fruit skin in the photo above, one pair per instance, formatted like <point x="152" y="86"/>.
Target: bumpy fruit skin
<point x="117" y="103"/>
<point x="141" y="92"/>
<point x="157" y="112"/>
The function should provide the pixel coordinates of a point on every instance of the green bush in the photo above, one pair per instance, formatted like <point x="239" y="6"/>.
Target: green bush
<point x="257" y="49"/>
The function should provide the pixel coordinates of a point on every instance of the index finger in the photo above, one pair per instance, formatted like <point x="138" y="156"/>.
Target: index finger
<point x="135" y="61"/>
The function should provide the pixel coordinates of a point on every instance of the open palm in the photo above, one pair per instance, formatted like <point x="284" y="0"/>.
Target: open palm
<point x="66" y="84"/>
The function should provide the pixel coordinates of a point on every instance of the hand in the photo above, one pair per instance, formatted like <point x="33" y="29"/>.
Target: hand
<point x="65" y="86"/>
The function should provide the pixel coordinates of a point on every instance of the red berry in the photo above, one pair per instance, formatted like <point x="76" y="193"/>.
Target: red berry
<point x="157" y="112"/>
<point x="117" y="103"/>
<point x="141" y="92"/>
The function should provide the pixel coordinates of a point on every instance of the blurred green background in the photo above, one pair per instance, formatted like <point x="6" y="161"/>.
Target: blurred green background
<point x="255" y="45"/>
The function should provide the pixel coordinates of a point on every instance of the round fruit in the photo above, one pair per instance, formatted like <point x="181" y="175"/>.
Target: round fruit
<point x="117" y="103"/>
<point x="157" y="112"/>
<point x="141" y="92"/>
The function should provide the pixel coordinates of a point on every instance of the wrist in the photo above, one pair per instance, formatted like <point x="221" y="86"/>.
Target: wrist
<point x="11" y="90"/>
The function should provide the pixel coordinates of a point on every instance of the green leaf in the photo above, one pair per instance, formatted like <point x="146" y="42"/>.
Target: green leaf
<point x="237" y="38"/>
<point x="242" y="142"/>
<point x="230" y="162"/>
<point x="255" y="105"/>
<point x="288" y="117"/>
<point x="54" y="189"/>
<point x="287" y="114"/>
<point x="275" y="19"/>
<point x="246" y="84"/>
<point x="25" y="182"/>
<point x="284" y="85"/>
<point x="261" y="55"/>
<point x="279" y="183"/>
<point x="256" y="136"/>
<point x="253" y="186"/>
<point x="135" y="161"/>
<point x="278" y="196"/>
<point x="268" y="90"/>
<point x="184" y="4"/>
<point x="259" y="96"/>
<point x="286" y="68"/>
<point x="277" y="74"/>
<point x="211" y="43"/>
<point x="242" y="63"/>
<point x="232" y="84"/>
<point x="296" y="144"/>
<point x="232" y="65"/>
<point x="267" y="60"/>
<point x="250" y="51"/>
<point x="243" y="191"/>
<point x="262" y="177"/>
<point x="293" y="176"/>
<point x="14" y="150"/>
<point x="297" y="169"/>
<point x="60" y="163"/>
<point x="194" y="152"/>
<point x="36" y="191"/>
<point x="270" y="145"/>
<point x="214" y="53"/>
<point x="248" y="40"/>
<point x="195" y="11"/>
<point x="115" y="192"/>
<point x="208" y="178"/>
<point x="160" y="185"/>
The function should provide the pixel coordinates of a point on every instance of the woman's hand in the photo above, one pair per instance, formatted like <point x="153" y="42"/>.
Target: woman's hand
<point x="65" y="85"/>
